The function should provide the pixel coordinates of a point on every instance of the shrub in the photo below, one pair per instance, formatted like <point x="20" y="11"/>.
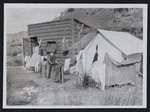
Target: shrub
<point x="18" y="62"/>
<point x="14" y="43"/>
<point x="17" y="49"/>
<point x="13" y="51"/>
<point x="70" y="9"/>
<point x="9" y="51"/>
<point x="14" y="61"/>
<point x="88" y="82"/>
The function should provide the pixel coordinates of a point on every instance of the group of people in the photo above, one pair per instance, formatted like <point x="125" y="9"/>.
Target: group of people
<point x="43" y="62"/>
<point x="48" y="61"/>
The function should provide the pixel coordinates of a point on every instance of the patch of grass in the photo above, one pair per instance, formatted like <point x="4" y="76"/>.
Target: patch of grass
<point x="14" y="61"/>
<point x="13" y="50"/>
<point x="69" y="94"/>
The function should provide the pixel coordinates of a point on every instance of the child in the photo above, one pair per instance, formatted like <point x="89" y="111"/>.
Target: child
<point x="27" y="59"/>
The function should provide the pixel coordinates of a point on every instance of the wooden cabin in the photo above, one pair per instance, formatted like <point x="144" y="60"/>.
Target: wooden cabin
<point x="54" y="32"/>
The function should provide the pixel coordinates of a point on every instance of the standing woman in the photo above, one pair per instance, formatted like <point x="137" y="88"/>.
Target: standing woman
<point x="35" y="60"/>
<point x="48" y="65"/>
<point x="51" y="62"/>
<point x="27" y="59"/>
<point x="37" y="57"/>
<point x="55" y="69"/>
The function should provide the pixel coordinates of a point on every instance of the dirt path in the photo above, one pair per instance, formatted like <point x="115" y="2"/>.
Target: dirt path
<point x="31" y="89"/>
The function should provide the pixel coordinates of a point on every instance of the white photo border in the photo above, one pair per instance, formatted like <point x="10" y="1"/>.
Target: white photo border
<point x="31" y="5"/>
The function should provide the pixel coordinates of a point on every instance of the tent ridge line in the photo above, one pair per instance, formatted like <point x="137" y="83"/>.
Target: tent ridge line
<point x="111" y="42"/>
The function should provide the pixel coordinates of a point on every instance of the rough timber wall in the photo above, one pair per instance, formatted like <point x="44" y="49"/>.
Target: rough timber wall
<point x="56" y="31"/>
<point x="52" y="31"/>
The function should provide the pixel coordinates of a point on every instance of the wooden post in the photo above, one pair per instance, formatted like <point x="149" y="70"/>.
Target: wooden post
<point x="79" y="29"/>
<point x="62" y="72"/>
<point x="31" y="52"/>
<point x="23" y="53"/>
<point x="79" y="77"/>
<point x="73" y="41"/>
<point x="79" y="41"/>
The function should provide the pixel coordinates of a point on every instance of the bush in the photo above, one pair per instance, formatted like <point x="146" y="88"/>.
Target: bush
<point x="14" y="61"/>
<point x="13" y="51"/>
<point x="71" y="10"/>
<point x="89" y="82"/>
<point x="9" y="51"/>
<point x="18" y="62"/>
<point x="15" y="43"/>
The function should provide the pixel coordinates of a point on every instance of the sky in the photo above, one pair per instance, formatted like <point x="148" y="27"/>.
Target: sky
<point x="17" y="19"/>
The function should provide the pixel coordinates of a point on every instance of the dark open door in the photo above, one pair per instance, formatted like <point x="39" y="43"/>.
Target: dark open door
<point x="26" y="46"/>
<point x="34" y="42"/>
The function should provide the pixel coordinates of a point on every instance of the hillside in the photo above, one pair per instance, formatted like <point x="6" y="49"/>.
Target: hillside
<point x="16" y="36"/>
<point x="126" y="20"/>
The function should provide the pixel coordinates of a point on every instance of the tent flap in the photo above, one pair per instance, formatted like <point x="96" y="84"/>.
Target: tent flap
<point x="120" y="75"/>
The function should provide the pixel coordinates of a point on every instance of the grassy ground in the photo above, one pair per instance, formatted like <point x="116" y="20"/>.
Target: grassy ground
<point x="13" y="61"/>
<point x="31" y="89"/>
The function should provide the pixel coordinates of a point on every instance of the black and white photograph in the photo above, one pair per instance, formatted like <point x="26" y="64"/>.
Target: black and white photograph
<point x="75" y="56"/>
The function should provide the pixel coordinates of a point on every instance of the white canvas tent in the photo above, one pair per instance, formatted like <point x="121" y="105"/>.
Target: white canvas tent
<point x="117" y="45"/>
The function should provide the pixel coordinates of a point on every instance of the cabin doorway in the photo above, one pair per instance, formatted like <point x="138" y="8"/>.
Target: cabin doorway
<point x="26" y="46"/>
<point x="34" y="42"/>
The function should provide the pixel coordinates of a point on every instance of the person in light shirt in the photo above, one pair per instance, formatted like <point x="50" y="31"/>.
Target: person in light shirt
<point x="27" y="59"/>
<point x="43" y="68"/>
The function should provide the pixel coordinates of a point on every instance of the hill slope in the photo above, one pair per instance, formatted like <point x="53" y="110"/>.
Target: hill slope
<point x="127" y="20"/>
<point x="102" y="18"/>
<point x="16" y="36"/>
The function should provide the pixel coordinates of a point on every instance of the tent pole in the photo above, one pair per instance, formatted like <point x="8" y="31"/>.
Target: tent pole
<point x="79" y="28"/>
<point x="79" y="40"/>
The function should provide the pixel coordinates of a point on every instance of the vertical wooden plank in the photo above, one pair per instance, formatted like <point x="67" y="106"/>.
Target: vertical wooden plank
<point x="30" y="46"/>
<point x="72" y="27"/>
<point x="62" y="72"/>
<point x="23" y="53"/>
<point x="28" y="30"/>
<point x="79" y="40"/>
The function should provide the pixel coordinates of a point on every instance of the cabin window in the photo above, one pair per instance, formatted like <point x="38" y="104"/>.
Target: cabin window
<point x="51" y="46"/>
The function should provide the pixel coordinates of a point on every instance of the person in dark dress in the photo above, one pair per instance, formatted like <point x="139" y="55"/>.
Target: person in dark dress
<point x="48" y="65"/>
<point x="51" y="61"/>
<point x="56" y="74"/>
